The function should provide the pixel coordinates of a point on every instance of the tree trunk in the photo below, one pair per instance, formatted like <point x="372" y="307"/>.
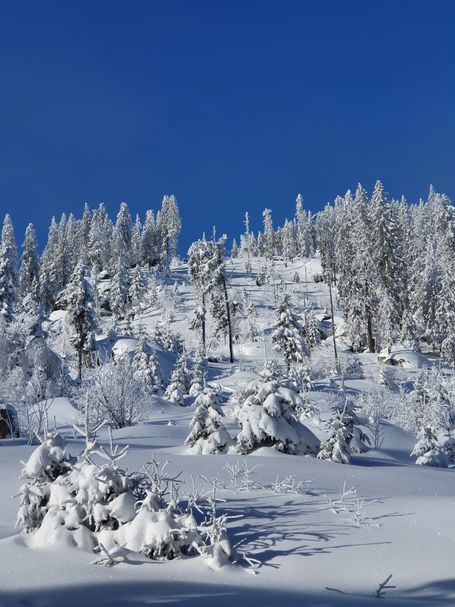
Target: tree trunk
<point x="79" y="353"/>
<point x="228" y="315"/>
<point x="203" y="325"/>
<point x="335" y="351"/>
<point x="371" y="343"/>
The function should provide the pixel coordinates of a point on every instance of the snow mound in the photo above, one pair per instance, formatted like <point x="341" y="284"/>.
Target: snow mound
<point x="124" y="345"/>
<point x="62" y="411"/>
<point x="408" y="359"/>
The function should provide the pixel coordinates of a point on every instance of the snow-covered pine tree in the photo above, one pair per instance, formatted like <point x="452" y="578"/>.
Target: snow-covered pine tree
<point x="385" y="245"/>
<point x="84" y="233"/>
<point x="208" y="435"/>
<point x="304" y="237"/>
<point x="180" y="381"/>
<point x="136" y="242"/>
<point x="155" y="374"/>
<point x="146" y="370"/>
<point x="168" y="227"/>
<point x="250" y="316"/>
<point x="357" y="273"/>
<point x="312" y="331"/>
<point x="123" y="238"/>
<point x="8" y="270"/>
<point x="79" y="299"/>
<point x="29" y="270"/>
<point x="149" y="245"/>
<point x="288" y="242"/>
<point x="46" y="463"/>
<point x="119" y="290"/>
<point x="200" y="272"/>
<point x="197" y="375"/>
<point x="268" y="240"/>
<point x="247" y="245"/>
<point x="48" y="271"/>
<point x="427" y="449"/>
<point x="287" y="335"/>
<point x="9" y="248"/>
<point x="268" y="418"/>
<point x="136" y="291"/>
<point x="346" y="436"/>
<point x="326" y="241"/>
<point x="100" y="246"/>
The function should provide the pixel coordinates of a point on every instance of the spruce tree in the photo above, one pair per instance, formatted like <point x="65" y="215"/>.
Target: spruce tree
<point x="208" y="435"/>
<point x="287" y="335"/>
<point x="79" y="299"/>
<point x="29" y="270"/>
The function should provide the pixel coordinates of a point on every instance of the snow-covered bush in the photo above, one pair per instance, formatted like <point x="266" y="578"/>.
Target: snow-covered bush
<point x="427" y="449"/>
<point x="208" y="435"/>
<point x="346" y="437"/>
<point x="197" y="376"/>
<point x="46" y="463"/>
<point x="95" y="505"/>
<point x="146" y="368"/>
<point x="180" y="381"/>
<point x="163" y="336"/>
<point x="378" y="406"/>
<point x="268" y="417"/>
<point x="117" y="394"/>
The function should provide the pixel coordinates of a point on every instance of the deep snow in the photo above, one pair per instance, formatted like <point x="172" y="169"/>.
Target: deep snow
<point x="310" y="554"/>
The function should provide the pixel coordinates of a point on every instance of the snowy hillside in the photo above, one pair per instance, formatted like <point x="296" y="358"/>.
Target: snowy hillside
<point x="304" y="466"/>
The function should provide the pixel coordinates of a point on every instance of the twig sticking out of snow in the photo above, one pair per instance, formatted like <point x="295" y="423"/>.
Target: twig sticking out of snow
<point x="350" y="503"/>
<point x="106" y="560"/>
<point x="383" y="586"/>
<point x="161" y="483"/>
<point x="289" y="484"/>
<point x="240" y="475"/>
<point x="343" y="503"/>
<point x="114" y="454"/>
<point x="219" y="550"/>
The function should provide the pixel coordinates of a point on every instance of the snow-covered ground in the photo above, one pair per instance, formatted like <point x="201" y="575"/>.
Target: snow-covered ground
<point x="315" y="548"/>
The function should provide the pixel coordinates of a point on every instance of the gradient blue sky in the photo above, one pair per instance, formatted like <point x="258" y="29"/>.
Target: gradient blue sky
<point x="230" y="105"/>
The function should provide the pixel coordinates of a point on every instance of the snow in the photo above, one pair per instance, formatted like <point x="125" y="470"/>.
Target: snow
<point x="311" y="554"/>
<point x="407" y="359"/>
<point x="124" y="345"/>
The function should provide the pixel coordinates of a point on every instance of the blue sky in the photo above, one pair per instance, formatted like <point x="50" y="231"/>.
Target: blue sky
<point x="230" y="105"/>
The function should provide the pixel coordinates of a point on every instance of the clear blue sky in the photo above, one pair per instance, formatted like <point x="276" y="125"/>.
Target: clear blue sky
<point x="230" y="105"/>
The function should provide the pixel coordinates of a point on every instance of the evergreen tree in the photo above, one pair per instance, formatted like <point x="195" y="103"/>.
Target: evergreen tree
<point x="267" y="418"/>
<point x="9" y="249"/>
<point x="79" y="298"/>
<point x="287" y="336"/>
<point x="268" y="241"/>
<point x="312" y="332"/>
<point x="197" y="377"/>
<point x="48" y="269"/>
<point x="427" y="449"/>
<point x="208" y="436"/>
<point x="8" y="270"/>
<point x="29" y="271"/>
<point x="168" y="227"/>
<point x="304" y="230"/>
<point x="120" y="289"/>
<point x="123" y="237"/>
<point x="149" y="245"/>
<point x="288" y="241"/>
<point x="136" y="291"/>
<point x="136" y="242"/>
<point x="346" y="436"/>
